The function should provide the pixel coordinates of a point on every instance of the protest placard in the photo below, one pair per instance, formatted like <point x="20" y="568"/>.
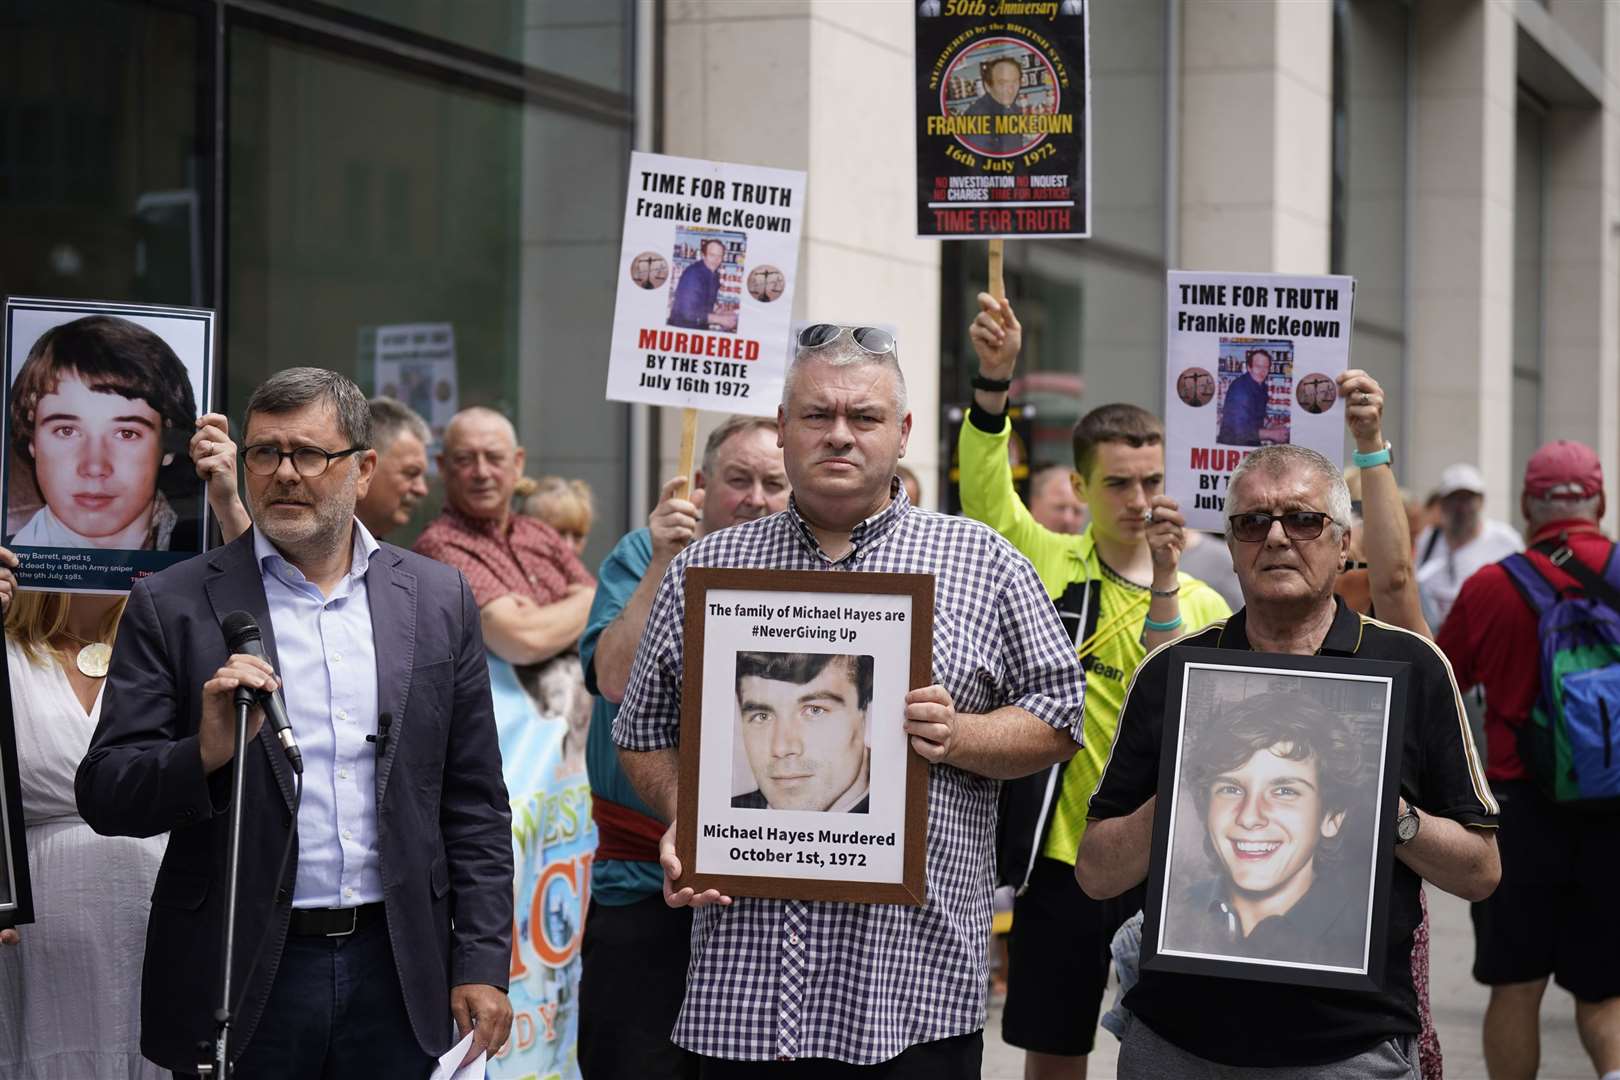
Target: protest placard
<point x="1251" y="360"/>
<point x="1003" y="118"/>
<point x="553" y="845"/>
<point x="101" y="402"/>
<point x="796" y="777"/>
<point x="705" y="285"/>
<point x="1305" y="898"/>
<point x="415" y="363"/>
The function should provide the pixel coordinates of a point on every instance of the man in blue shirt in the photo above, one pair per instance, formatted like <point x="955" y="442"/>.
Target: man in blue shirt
<point x="394" y="911"/>
<point x="698" y="288"/>
<point x="1244" y="413"/>
<point x="636" y="947"/>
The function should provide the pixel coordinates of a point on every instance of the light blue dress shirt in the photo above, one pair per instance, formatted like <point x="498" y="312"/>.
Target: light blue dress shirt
<point x="328" y="672"/>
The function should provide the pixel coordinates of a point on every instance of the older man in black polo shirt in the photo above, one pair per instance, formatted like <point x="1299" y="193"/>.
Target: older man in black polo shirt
<point x="1288" y="528"/>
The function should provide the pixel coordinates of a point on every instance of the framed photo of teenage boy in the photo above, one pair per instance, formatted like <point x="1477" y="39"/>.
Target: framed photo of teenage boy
<point x="797" y="780"/>
<point x="16" y="893"/>
<point x="101" y="402"/>
<point x="1273" y="840"/>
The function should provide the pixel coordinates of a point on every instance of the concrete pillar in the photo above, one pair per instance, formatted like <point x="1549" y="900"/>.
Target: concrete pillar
<point x="1460" y="344"/>
<point x="1581" y="331"/>
<point x="823" y="86"/>
<point x="1256" y="135"/>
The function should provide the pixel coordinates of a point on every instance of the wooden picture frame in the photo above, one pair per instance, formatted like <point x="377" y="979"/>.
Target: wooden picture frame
<point x="1278" y="785"/>
<point x="866" y="850"/>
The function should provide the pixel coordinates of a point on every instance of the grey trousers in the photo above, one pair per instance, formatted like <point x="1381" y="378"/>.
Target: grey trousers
<point x="1145" y="1056"/>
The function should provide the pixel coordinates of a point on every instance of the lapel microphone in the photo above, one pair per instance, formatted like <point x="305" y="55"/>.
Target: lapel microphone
<point x="384" y="722"/>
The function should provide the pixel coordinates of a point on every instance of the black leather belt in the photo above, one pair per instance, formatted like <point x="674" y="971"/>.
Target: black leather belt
<point x="333" y="922"/>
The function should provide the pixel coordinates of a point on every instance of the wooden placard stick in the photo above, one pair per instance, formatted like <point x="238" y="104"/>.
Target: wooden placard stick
<point x="683" y="463"/>
<point x="998" y="285"/>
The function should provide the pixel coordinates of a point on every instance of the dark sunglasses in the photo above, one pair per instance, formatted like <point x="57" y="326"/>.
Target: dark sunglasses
<point x="870" y="338"/>
<point x="1253" y="527"/>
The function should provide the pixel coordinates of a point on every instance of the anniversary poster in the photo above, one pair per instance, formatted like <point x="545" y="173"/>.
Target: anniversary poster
<point x="1003" y="118"/>
<point x="1252" y="360"/>
<point x="705" y="286"/>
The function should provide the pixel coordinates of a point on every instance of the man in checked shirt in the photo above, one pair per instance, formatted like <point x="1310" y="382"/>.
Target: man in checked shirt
<point x="823" y="988"/>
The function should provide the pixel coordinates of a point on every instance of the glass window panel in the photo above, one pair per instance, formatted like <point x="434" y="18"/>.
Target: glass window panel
<point x="1370" y="146"/>
<point x="1370" y="40"/>
<point x="104" y="162"/>
<point x="363" y="197"/>
<point x="586" y="40"/>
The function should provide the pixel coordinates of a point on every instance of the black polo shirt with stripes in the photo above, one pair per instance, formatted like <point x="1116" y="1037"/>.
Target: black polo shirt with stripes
<point x="1258" y="1024"/>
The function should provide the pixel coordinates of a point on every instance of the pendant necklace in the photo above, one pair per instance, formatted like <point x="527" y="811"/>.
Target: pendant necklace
<point x="93" y="657"/>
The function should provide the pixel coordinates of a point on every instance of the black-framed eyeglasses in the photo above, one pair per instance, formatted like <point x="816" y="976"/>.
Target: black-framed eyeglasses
<point x="869" y="338"/>
<point x="1255" y="526"/>
<point x="263" y="459"/>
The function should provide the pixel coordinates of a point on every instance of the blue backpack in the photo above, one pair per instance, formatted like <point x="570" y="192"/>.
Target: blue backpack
<point x="1571" y="743"/>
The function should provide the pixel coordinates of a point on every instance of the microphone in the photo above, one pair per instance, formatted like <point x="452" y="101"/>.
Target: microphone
<point x="384" y="722"/>
<point x="241" y="632"/>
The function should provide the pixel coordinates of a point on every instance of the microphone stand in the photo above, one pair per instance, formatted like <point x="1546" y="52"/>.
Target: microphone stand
<point x="220" y="1067"/>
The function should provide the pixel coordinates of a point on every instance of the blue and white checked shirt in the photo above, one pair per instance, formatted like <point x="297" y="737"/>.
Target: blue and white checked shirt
<point x="787" y="979"/>
<point x="328" y="671"/>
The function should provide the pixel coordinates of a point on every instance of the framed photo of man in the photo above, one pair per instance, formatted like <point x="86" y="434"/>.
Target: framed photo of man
<point x="797" y="779"/>
<point x="1273" y="838"/>
<point x="16" y="893"/>
<point x="101" y="402"/>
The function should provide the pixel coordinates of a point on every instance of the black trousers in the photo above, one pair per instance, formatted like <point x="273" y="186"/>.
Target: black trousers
<point x="632" y="982"/>
<point x="960" y="1057"/>
<point x="336" y="1011"/>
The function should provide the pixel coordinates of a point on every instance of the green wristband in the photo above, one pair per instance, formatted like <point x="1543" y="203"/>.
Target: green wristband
<point x="1161" y="627"/>
<point x="1367" y="461"/>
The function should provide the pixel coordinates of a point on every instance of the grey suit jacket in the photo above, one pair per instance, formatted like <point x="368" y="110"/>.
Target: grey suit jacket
<point x="443" y="822"/>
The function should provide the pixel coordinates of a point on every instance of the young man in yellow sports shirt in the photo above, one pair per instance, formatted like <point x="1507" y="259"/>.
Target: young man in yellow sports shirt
<point x="1120" y="593"/>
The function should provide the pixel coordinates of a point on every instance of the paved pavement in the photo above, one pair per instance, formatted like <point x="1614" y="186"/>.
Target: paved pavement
<point x="1459" y="1009"/>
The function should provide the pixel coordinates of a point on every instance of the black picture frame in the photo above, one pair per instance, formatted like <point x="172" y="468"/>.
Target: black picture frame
<point x="16" y="885"/>
<point x="1181" y="923"/>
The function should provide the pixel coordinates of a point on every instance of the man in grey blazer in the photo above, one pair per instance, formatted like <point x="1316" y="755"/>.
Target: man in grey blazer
<point x="395" y="912"/>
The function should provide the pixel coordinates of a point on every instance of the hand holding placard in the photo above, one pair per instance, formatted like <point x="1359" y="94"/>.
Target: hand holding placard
<point x="1167" y="539"/>
<point x="674" y="520"/>
<point x="931" y="722"/>
<point x="671" y="863"/>
<point x="1363" y="409"/>
<point x="997" y="337"/>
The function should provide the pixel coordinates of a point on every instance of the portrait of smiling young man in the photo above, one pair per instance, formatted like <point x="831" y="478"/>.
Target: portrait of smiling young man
<point x="801" y="719"/>
<point x="1271" y="779"/>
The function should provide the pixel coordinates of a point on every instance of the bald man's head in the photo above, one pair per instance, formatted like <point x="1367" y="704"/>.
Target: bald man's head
<point x="481" y="463"/>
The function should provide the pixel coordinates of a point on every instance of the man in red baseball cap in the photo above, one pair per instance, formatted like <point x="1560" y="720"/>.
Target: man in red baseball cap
<point x="1553" y="913"/>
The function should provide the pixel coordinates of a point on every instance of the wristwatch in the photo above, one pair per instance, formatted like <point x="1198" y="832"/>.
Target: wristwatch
<point x="1406" y="826"/>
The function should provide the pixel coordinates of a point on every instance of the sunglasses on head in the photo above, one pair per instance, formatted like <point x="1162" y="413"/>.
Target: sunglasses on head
<point x="869" y="338"/>
<point x="1255" y="526"/>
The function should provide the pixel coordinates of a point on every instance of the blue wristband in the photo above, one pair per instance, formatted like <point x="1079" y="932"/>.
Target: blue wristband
<point x="1162" y="627"/>
<point x="1367" y="461"/>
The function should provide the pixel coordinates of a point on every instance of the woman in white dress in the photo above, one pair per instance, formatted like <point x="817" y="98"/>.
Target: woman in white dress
<point x="70" y="988"/>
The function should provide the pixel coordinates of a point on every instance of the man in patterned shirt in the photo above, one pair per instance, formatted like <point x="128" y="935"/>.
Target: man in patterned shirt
<point x="859" y="984"/>
<point x="533" y="595"/>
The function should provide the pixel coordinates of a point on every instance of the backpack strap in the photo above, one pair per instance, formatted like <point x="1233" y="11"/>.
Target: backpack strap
<point x="1562" y="556"/>
<point x="1429" y="546"/>
<point x="1530" y="582"/>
